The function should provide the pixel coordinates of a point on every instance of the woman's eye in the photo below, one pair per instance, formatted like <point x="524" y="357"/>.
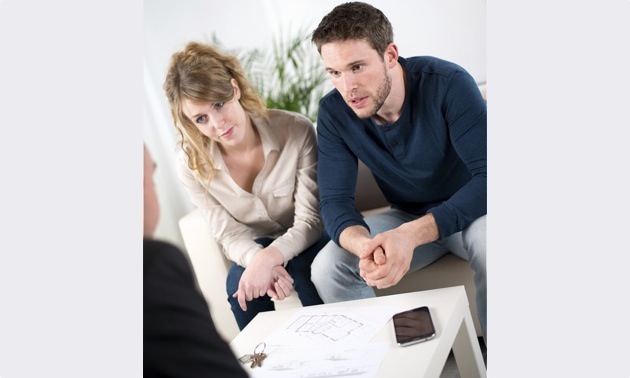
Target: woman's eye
<point x="219" y="105"/>
<point x="201" y="119"/>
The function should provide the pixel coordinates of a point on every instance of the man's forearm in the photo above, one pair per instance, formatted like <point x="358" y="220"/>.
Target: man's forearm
<point x="422" y="230"/>
<point x="353" y="239"/>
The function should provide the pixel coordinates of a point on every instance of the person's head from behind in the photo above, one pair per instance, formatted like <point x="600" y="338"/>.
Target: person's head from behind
<point x="210" y="100"/>
<point x="151" y="205"/>
<point x="356" y="43"/>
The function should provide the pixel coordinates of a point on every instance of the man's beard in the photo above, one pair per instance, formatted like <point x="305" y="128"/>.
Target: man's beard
<point x="381" y="95"/>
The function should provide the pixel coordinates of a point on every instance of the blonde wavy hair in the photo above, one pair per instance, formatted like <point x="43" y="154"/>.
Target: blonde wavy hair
<point x="201" y="73"/>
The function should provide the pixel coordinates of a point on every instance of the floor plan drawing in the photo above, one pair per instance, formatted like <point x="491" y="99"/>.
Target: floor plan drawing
<point x="333" y="327"/>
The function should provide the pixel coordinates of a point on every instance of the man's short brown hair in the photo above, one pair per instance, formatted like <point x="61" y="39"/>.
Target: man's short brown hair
<point x="354" y="20"/>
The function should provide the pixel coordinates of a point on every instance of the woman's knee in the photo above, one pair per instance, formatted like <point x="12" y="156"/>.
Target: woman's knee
<point x="233" y="278"/>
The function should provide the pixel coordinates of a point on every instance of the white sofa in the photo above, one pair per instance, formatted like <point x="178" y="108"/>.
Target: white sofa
<point x="211" y="266"/>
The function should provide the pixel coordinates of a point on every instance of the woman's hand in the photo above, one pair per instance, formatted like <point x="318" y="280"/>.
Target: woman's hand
<point x="282" y="284"/>
<point x="258" y="277"/>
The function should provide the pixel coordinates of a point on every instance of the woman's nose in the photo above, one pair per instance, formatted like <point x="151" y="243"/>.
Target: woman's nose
<point x="217" y="121"/>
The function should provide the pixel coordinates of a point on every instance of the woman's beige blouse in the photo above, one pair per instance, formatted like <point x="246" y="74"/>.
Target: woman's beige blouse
<point x="284" y="200"/>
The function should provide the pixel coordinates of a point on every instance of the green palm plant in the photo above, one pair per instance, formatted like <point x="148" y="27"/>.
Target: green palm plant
<point x="290" y="76"/>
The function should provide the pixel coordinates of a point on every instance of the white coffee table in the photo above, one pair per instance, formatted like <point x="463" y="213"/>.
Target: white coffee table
<point x="451" y="316"/>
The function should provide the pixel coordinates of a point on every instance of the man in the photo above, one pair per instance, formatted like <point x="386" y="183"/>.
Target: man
<point x="420" y="125"/>
<point x="180" y="339"/>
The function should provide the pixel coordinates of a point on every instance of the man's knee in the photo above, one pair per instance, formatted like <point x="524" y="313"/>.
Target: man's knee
<point x="387" y="220"/>
<point x="321" y="264"/>
<point x="331" y="260"/>
<point x="475" y="236"/>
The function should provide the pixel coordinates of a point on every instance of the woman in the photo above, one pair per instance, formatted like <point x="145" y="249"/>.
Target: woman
<point x="253" y="173"/>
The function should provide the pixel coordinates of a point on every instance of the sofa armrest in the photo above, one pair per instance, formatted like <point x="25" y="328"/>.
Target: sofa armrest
<point x="211" y="270"/>
<point x="211" y="267"/>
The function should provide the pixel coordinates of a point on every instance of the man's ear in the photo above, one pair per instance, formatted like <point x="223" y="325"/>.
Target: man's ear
<point x="391" y="55"/>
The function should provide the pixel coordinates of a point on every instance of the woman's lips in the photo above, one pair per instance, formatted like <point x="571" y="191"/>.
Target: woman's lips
<point x="228" y="132"/>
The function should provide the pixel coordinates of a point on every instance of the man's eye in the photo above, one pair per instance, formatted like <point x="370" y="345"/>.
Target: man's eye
<point x="334" y="73"/>
<point x="219" y="105"/>
<point x="358" y="67"/>
<point x="201" y="119"/>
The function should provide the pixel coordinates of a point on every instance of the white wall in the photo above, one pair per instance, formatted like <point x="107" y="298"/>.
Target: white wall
<point x="454" y="30"/>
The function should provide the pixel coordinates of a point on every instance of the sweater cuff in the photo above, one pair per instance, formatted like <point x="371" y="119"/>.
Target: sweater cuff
<point x="352" y="222"/>
<point x="444" y="220"/>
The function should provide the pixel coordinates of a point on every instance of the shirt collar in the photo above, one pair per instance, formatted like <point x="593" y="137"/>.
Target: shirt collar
<point x="267" y="138"/>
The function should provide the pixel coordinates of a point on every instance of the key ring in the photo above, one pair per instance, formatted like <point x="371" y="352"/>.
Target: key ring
<point x="263" y="348"/>
<point x="257" y="358"/>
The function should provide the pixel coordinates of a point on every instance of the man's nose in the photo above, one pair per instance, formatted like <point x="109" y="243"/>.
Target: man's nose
<point x="349" y="83"/>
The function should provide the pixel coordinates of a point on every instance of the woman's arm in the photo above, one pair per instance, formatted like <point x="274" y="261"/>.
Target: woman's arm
<point x="307" y="225"/>
<point x="234" y="238"/>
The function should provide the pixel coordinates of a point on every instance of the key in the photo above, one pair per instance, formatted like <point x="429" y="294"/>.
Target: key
<point x="246" y="358"/>
<point x="257" y="359"/>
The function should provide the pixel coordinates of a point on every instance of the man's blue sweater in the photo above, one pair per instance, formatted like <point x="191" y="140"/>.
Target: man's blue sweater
<point x="431" y="160"/>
